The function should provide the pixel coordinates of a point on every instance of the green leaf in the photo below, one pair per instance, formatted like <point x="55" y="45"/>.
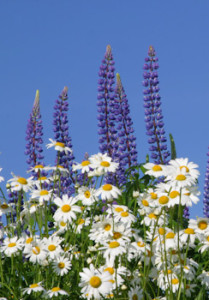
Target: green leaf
<point x="173" y="147"/>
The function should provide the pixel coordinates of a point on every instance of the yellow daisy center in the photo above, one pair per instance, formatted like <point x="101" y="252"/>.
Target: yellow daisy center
<point x="140" y="244"/>
<point x="119" y="209"/>
<point x="61" y="265"/>
<point x="22" y="180"/>
<point x="34" y="285"/>
<point x="52" y="247"/>
<point x="157" y="168"/>
<point x="184" y="167"/>
<point x="180" y="177"/>
<point x="169" y="271"/>
<point x="152" y="216"/>
<point x="161" y="231"/>
<point x="107" y="187"/>
<point x="163" y="200"/>
<point x="174" y="194"/>
<point x="87" y="194"/>
<point x="117" y="235"/>
<point x="44" y="192"/>
<point x="207" y="238"/>
<point x="62" y="145"/>
<point x="145" y="202"/>
<point x="4" y="206"/>
<point x="63" y="223"/>
<point x="189" y="231"/>
<point x="174" y="281"/>
<point x="29" y="240"/>
<point x="114" y="244"/>
<point x="66" y="208"/>
<point x="202" y="225"/>
<point x="105" y="164"/>
<point x="95" y="281"/>
<point x="80" y="221"/>
<point x="42" y="178"/>
<point x="36" y="250"/>
<point x="55" y="289"/>
<point x="170" y="235"/>
<point x="85" y="163"/>
<point x="153" y="196"/>
<point x="10" y="245"/>
<point x="39" y="167"/>
<point x="110" y="270"/>
<point x="124" y="214"/>
<point x="135" y="297"/>
<point x="107" y="227"/>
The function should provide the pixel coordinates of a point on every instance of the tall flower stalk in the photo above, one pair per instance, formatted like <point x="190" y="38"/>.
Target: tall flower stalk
<point x="105" y="103"/>
<point x="61" y="134"/>
<point x="153" y="111"/>
<point x="127" y="153"/>
<point x="206" y="191"/>
<point x="34" y="134"/>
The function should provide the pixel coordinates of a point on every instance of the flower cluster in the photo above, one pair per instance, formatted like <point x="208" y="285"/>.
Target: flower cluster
<point x="141" y="250"/>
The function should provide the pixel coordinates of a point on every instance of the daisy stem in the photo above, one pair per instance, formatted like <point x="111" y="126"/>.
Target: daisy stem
<point x="1" y="269"/>
<point x="46" y="219"/>
<point x="11" y="291"/>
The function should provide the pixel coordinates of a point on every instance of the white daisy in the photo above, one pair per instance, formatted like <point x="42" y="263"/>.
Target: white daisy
<point x="95" y="284"/>
<point x="84" y="166"/>
<point x="52" y="246"/>
<point x="36" y="252"/>
<point x="35" y="287"/>
<point x="103" y="163"/>
<point x="87" y="195"/>
<point x="42" y="195"/>
<point x="67" y="209"/>
<point x="61" y="265"/>
<point x="59" y="146"/>
<point x="56" y="292"/>
<point x="108" y="192"/>
<point x="11" y="246"/>
<point x="18" y="183"/>
<point x="154" y="170"/>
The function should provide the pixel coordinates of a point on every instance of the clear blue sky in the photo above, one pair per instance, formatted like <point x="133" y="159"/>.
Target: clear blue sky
<point x="48" y="44"/>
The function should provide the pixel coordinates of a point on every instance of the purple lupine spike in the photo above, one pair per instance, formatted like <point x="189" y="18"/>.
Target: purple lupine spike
<point x="105" y="103"/>
<point x="34" y="134"/>
<point x="61" y="133"/>
<point x="153" y="111"/>
<point x="206" y="191"/>
<point x="127" y="153"/>
<point x="186" y="212"/>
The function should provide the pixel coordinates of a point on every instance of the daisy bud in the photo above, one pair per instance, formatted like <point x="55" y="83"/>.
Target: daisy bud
<point x="89" y="260"/>
<point x="135" y="194"/>
<point x="123" y="287"/>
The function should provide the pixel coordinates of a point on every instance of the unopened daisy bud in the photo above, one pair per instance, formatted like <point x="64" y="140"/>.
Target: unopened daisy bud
<point x="8" y="186"/>
<point x="135" y="194"/>
<point x="91" y="249"/>
<point x="123" y="287"/>
<point x="157" y="211"/>
<point x="139" y="264"/>
<point x="89" y="260"/>
<point x="96" y="218"/>
<point x="142" y="212"/>
<point x="97" y="246"/>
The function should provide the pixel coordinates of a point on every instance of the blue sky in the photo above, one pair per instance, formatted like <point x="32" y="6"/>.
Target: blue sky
<point x="48" y="44"/>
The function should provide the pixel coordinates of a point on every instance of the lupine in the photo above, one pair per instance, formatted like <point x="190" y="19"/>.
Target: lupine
<point x="105" y="103"/>
<point x="127" y="153"/>
<point x="61" y="134"/>
<point x="206" y="191"/>
<point x="153" y="111"/>
<point x="34" y="134"/>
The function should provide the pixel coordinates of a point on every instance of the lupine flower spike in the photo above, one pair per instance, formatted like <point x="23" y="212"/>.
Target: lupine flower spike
<point x="106" y="116"/>
<point x="34" y="134"/>
<point x="63" y="140"/>
<point x="153" y="111"/>
<point x="206" y="191"/>
<point x="127" y="153"/>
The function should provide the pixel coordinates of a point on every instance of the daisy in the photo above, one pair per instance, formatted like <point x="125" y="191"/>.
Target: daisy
<point x="39" y="168"/>
<point x="103" y="163"/>
<point x="154" y="170"/>
<point x="113" y="249"/>
<point x="87" y="195"/>
<point x="102" y="230"/>
<point x="80" y="223"/>
<point x="35" y="287"/>
<point x="56" y="292"/>
<point x="5" y="208"/>
<point x="42" y="195"/>
<point x="135" y="293"/>
<point x="59" y="146"/>
<point x="66" y="209"/>
<point x="61" y="265"/>
<point x="36" y="252"/>
<point x="187" y="236"/>
<point x="85" y="166"/>
<point x="108" y="192"/>
<point x="95" y="284"/>
<point x="52" y="246"/>
<point x="201" y="225"/>
<point x="204" y="243"/>
<point x="180" y="178"/>
<point x="204" y="277"/>
<point x="1" y="178"/>
<point x="116" y="273"/>
<point x="18" y="183"/>
<point x="11" y="246"/>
